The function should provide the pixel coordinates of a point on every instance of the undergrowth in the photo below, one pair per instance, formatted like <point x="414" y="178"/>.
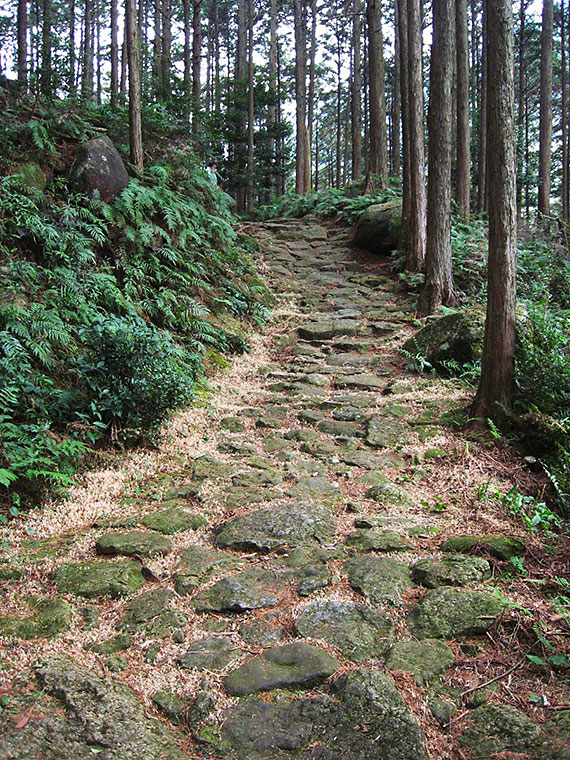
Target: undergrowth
<point x="109" y="310"/>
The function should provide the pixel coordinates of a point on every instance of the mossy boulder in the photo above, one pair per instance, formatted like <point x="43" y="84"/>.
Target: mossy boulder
<point x="390" y="495"/>
<point x="379" y="579"/>
<point x="98" y="167"/>
<point x="376" y="540"/>
<point x="360" y="632"/>
<point x="455" y="570"/>
<point x="327" y="328"/>
<point x="445" y="613"/>
<point x="378" y="229"/>
<point x="456" y="337"/>
<point x="386" y="433"/>
<point x="198" y="564"/>
<point x="113" y="645"/>
<point x="51" y="617"/>
<point x="494" y="729"/>
<point x="250" y="589"/>
<point x="31" y="174"/>
<point x="213" y="654"/>
<point x="278" y="528"/>
<point x="295" y="665"/>
<point x="150" y="613"/>
<point x="425" y="659"/>
<point x="497" y="545"/>
<point x="129" y="544"/>
<point x="173" y="520"/>
<point x="99" y="579"/>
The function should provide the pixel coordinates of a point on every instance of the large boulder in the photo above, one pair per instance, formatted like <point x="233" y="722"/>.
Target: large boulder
<point x="378" y="229"/>
<point x="456" y="337"/>
<point x="98" y="167"/>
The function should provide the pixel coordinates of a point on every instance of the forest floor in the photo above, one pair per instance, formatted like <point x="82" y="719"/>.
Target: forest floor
<point x="321" y="531"/>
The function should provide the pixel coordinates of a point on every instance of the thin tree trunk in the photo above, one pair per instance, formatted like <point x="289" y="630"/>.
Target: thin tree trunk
<point x="133" y="57"/>
<point x="521" y="168"/>
<point x="23" y="43"/>
<point x="545" y="144"/>
<point x="417" y="244"/>
<point x="114" y="52"/>
<point x="404" y="88"/>
<point x="196" y="68"/>
<point x="124" y="58"/>
<point x="166" y="45"/>
<point x="496" y="388"/>
<point x="482" y="158"/>
<point x="463" y="168"/>
<point x="439" y="287"/>
<point x="240" y="150"/>
<point x="71" y="87"/>
<point x="87" y="77"/>
<point x="311" y="102"/>
<point x="395" y="160"/>
<point x="564" y="108"/>
<point x="272" y="104"/>
<point x="300" y="20"/>
<point x="157" y="49"/>
<point x="97" y="25"/>
<point x="46" y="72"/>
<point x="356" y="95"/>
<point x="338" y="109"/>
<point x="377" y="96"/>
<point x="250" y="111"/>
<point x="187" y="80"/>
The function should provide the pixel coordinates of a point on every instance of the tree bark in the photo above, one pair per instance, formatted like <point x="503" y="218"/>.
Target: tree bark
<point x="87" y="75"/>
<point x="241" y="105"/>
<point x="300" y="21"/>
<point x="71" y="88"/>
<point x="495" y="394"/>
<point x="439" y="287"/>
<point x="356" y="95"/>
<point x="311" y="98"/>
<point x="378" y="165"/>
<point x="196" y="68"/>
<point x="114" y="53"/>
<point x="250" y="110"/>
<point x="166" y="45"/>
<point x="521" y="167"/>
<point x="564" y="108"/>
<point x="545" y="146"/>
<point x="23" y="42"/>
<point x="482" y="157"/>
<point x="417" y="227"/>
<point x="272" y="104"/>
<point x="395" y="160"/>
<point x="133" y="59"/>
<point x="463" y="167"/>
<point x="187" y="77"/>
<point x="46" y="72"/>
<point x="403" y="42"/>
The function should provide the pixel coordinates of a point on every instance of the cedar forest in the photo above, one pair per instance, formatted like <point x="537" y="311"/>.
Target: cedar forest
<point x="121" y="308"/>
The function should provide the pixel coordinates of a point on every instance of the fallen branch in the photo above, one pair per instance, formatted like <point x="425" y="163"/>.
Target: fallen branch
<point x="500" y="676"/>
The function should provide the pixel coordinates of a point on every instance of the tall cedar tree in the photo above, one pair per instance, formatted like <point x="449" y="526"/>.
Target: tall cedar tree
<point x="301" y="157"/>
<point x="439" y="288"/>
<point x="495" y="394"/>
<point x="545" y="146"/>
<point x="463" y="167"/>
<point x="378" y="164"/>
<point x="417" y="225"/>
<point x="402" y="20"/>
<point x="356" y="94"/>
<point x="133" y="58"/>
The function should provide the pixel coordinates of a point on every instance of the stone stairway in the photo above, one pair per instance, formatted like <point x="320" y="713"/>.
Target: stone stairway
<point x="291" y="592"/>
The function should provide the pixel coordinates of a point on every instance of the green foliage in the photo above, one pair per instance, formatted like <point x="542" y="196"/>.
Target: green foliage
<point x="330" y="203"/>
<point x="535" y="514"/>
<point x="109" y="310"/>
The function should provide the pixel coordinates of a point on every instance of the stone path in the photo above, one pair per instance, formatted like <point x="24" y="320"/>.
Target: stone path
<point x="298" y="568"/>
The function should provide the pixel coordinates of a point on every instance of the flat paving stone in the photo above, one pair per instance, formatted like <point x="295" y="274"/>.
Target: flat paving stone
<point x="379" y="579"/>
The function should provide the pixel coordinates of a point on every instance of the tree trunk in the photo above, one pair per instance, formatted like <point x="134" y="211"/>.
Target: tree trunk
<point x="272" y="99"/>
<point x="196" y="67"/>
<point x="439" y="276"/>
<point x="157" y="49"/>
<point x="403" y="42"/>
<point x="133" y="58"/>
<point x="46" y="72"/>
<point x="356" y="95"/>
<point x="166" y="44"/>
<point x="187" y="80"/>
<point x="521" y="167"/>
<point x="463" y="168"/>
<point x="250" y="111"/>
<point x="241" y="105"/>
<point x="545" y="146"/>
<point x="87" y="75"/>
<point x="482" y="157"/>
<point x="300" y="19"/>
<point x="396" y="100"/>
<point x="564" y="108"/>
<point x="338" y="108"/>
<point x="495" y="394"/>
<point x="377" y="97"/>
<point x="23" y="42"/>
<point x="71" y="87"/>
<point x="311" y="102"/>
<point x="114" y="53"/>
<point x="417" y="244"/>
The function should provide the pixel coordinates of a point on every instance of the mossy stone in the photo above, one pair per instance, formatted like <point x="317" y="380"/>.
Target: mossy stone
<point x="360" y="632"/>
<point x="145" y="607"/>
<point x="171" y="705"/>
<point x="173" y="520"/>
<point x="386" y="433"/>
<point x="99" y="579"/>
<point x="454" y="570"/>
<point x="501" y="547"/>
<point x="214" y="653"/>
<point x="425" y="659"/>
<point x="112" y="646"/>
<point x="250" y="589"/>
<point x="390" y="495"/>
<point x="31" y="174"/>
<point x="379" y="579"/>
<point x="494" y="729"/>
<point x="129" y="544"/>
<point x="295" y="665"/>
<point x="445" y="613"/>
<point x="51" y="617"/>
<point x="375" y="540"/>
<point x="200" y="563"/>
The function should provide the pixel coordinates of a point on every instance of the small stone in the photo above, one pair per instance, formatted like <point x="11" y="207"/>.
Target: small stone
<point x="99" y="579"/>
<point x="152" y="653"/>
<point x="391" y="495"/>
<point x="261" y="633"/>
<point x="171" y="705"/>
<point x="112" y="646"/>
<point x="214" y="653"/>
<point x="145" y="607"/>
<point x="363" y="380"/>
<point x="340" y="429"/>
<point x="315" y="488"/>
<point x="494" y="729"/>
<point x="455" y="570"/>
<point x="295" y="665"/>
<point x="232" y="424"/>
<point x="386" y="434"/>
<point x="379" y="579"/>
<point x="329" y="328"/>
<point x="501" y="547"/>
<point x="90" y="616"/>
<point x="52" y="617"/>
<point x="249" y="589"/>
<point x="173" y="520"/>
<point x="198" y="564"/>
<point x="425" y="659"/>
<point x="442" y="710"/>
<point x="374" y="540"/>
<point x="448" y="612"/>
<point x="360" y="632"/>
<point x="128" y="544"/>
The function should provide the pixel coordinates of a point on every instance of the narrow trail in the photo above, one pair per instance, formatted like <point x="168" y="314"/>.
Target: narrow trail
<point x="297" y="536"/>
